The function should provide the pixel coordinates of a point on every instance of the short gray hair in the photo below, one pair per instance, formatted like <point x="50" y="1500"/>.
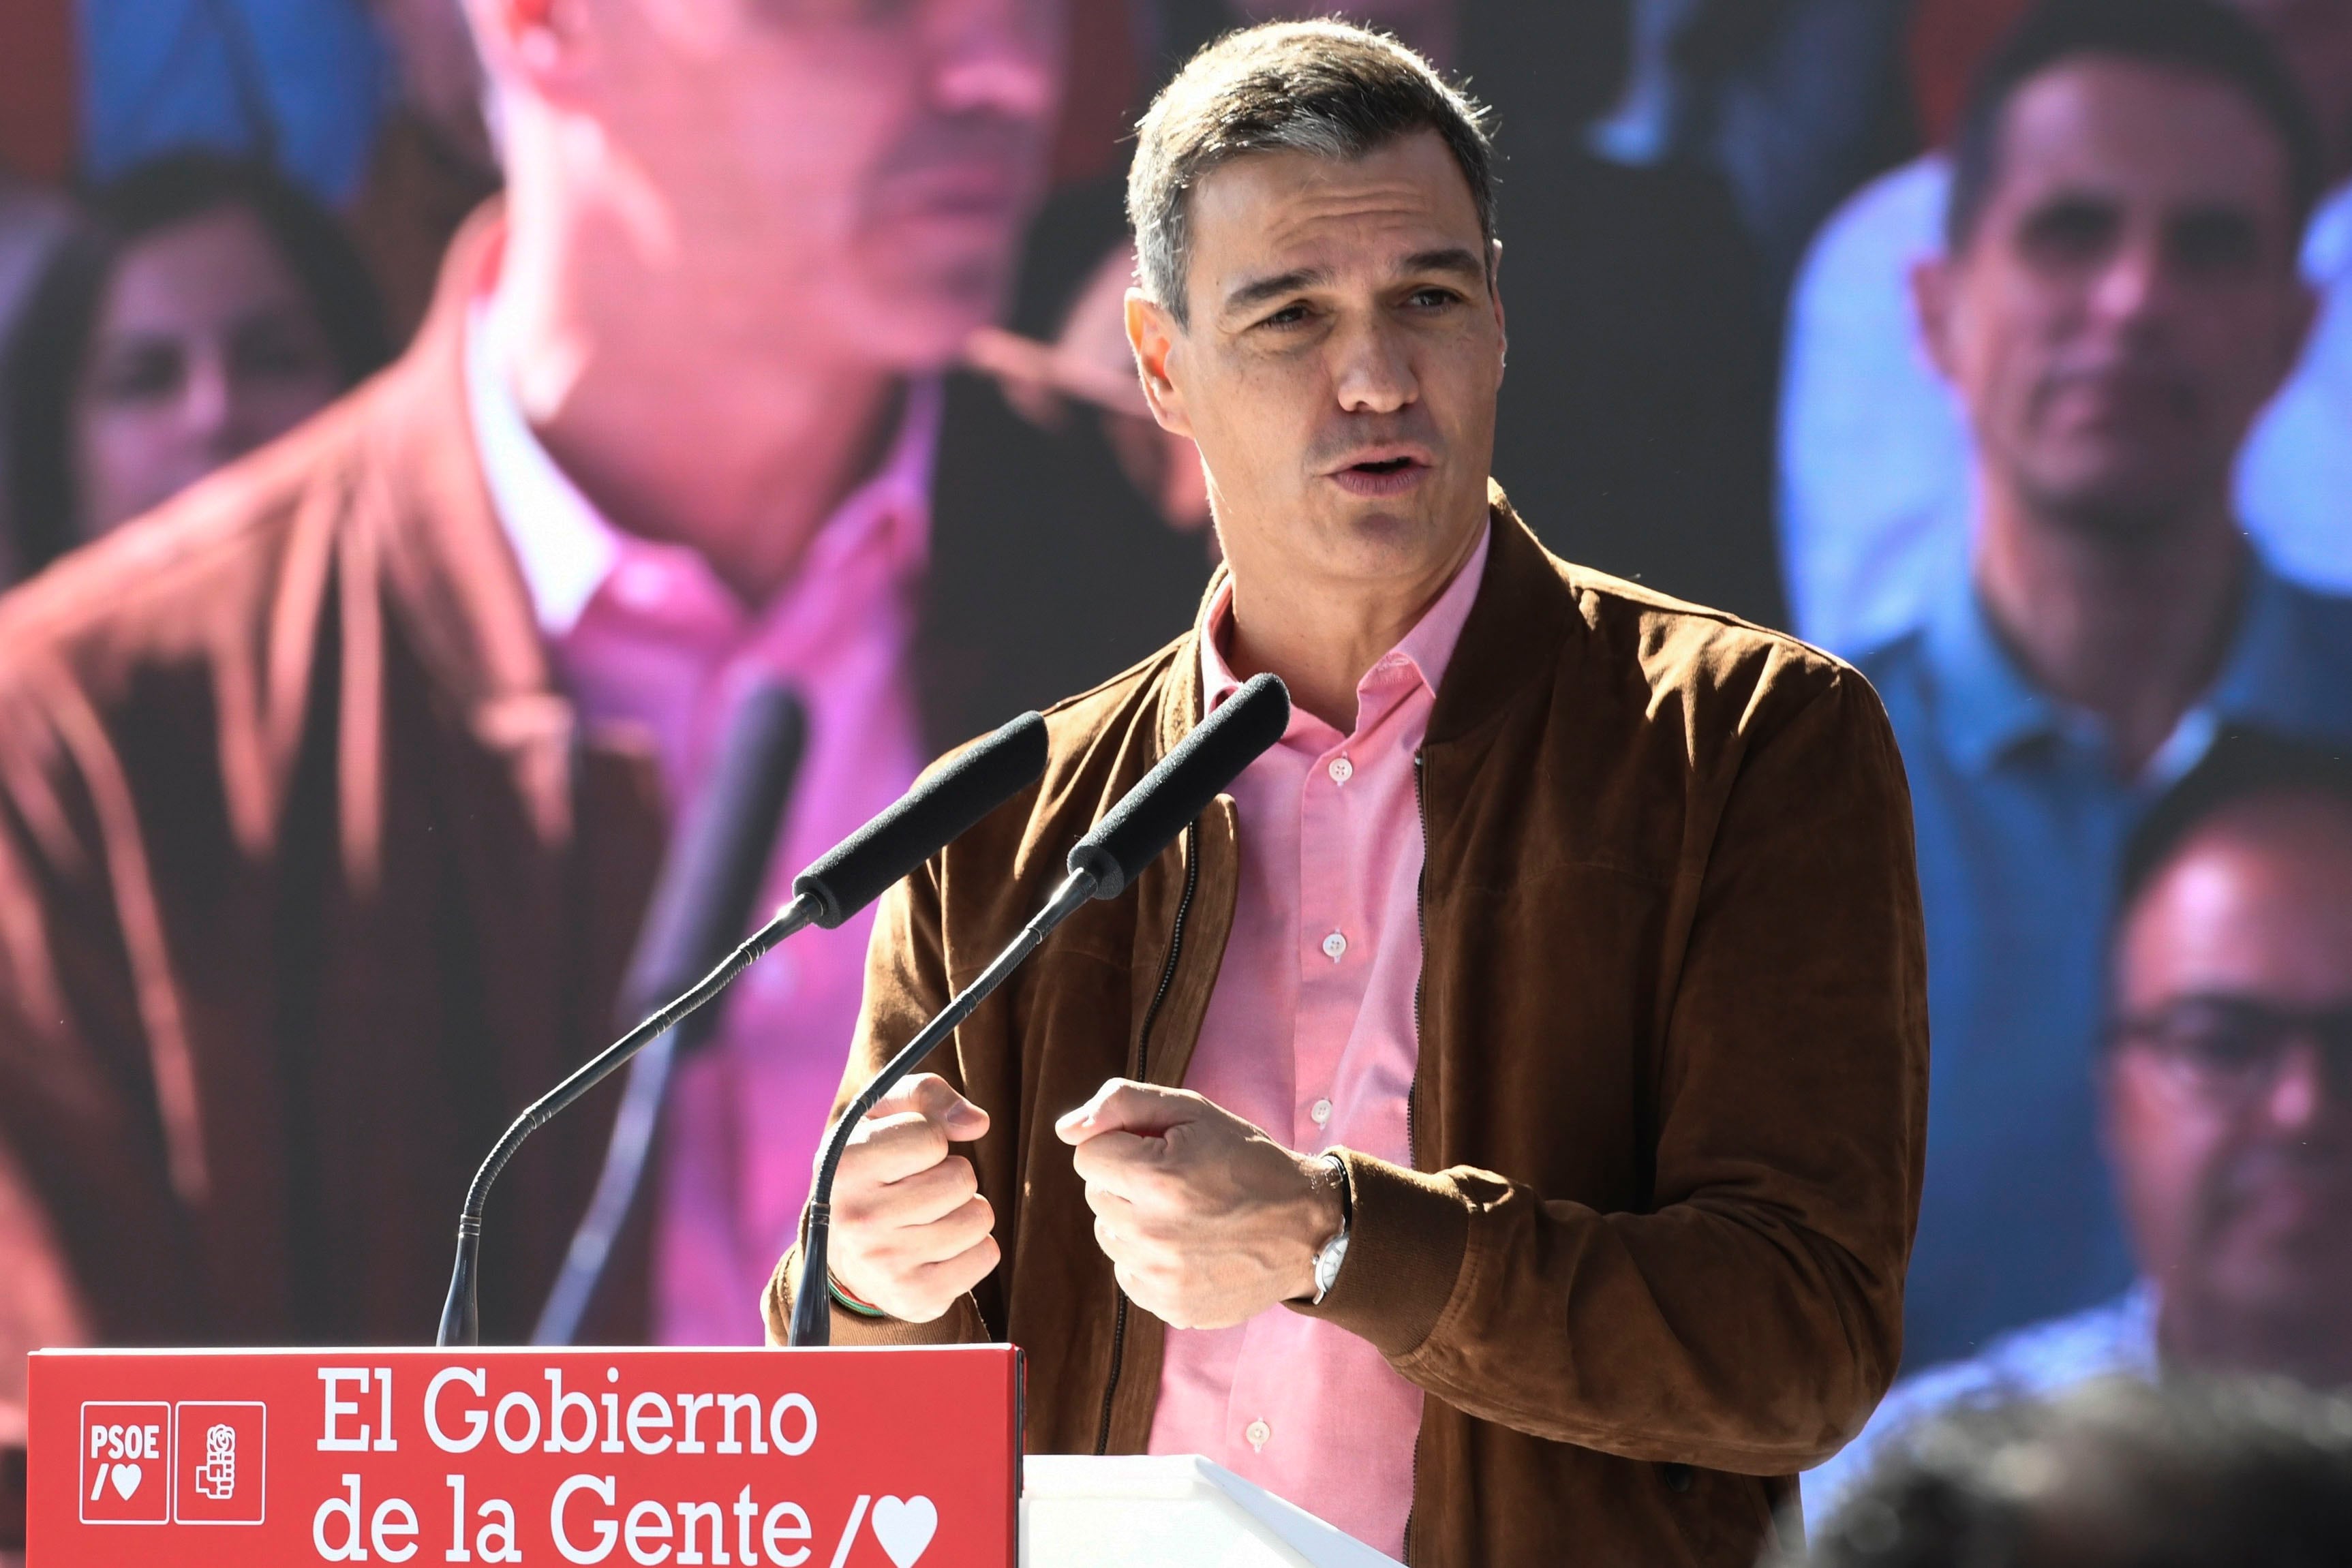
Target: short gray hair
<point x="1328" y="88"/>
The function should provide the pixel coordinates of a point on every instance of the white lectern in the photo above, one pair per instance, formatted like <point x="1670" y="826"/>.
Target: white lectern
<point x="1171" y="1511"/>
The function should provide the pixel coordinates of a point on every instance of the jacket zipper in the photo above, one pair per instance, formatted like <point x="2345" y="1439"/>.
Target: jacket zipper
<point x="1413" y="1090"/>
<point x="1135" y="1070"/>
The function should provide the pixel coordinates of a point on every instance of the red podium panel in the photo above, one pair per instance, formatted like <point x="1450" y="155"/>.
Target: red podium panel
<point x="808" y="1459"/>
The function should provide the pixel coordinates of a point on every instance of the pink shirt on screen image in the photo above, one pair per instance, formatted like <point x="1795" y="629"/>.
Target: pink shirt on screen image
<point x="1311" y="1034"/>
<point x="646" y="633"/>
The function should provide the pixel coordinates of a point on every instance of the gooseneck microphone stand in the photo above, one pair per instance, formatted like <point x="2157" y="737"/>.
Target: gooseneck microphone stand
<point x="1131" y="836"/>
<point x="460" y="1316"/>
<point x="812" y="1308"/>
<point x="709" y="885"/>
<point x="948" y="800"/>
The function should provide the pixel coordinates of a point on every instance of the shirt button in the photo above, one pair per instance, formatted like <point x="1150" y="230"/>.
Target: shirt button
<point x="1321" y="1112"/>
<point x="1342" y="771"/>
<point x="1334" y="946"/>
<point x="1257" y="1432"/>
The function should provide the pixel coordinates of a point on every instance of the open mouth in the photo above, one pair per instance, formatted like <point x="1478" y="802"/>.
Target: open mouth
<point x="1378" y="477"/>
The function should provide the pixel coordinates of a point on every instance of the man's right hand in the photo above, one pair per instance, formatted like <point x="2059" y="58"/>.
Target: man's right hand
<point x="911" y="1231"/>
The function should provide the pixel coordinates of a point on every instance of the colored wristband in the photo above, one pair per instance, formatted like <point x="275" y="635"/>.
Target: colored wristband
<point x="843" y="1299"/>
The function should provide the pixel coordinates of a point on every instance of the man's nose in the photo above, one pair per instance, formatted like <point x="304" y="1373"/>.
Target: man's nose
<point x="1000" y="56"/>
<point x="2302" y="1090"/>
<point x="1373" y="373"/>
<point x="2137" y="284"/>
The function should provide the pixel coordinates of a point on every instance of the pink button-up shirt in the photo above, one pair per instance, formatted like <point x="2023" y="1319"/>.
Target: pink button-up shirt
<point x="647" y="633"/>
<point x="1311" y="1034"/>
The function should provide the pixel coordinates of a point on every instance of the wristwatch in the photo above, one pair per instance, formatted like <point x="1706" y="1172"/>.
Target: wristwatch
<point x="1333" y="1252"/>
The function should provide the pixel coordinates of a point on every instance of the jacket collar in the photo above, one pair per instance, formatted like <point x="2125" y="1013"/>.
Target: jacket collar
<point x="1523" y="611"/>
<point x="449" y="571"/>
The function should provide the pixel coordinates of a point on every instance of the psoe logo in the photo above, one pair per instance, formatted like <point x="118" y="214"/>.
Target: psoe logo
<point x="224" y="1462"/>
<point x="126" y="1463"/>
<point x="196" y="1462"/>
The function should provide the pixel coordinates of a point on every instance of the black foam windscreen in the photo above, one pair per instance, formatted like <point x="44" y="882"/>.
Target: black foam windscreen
<point x="925" y="820"/>
<point x="1149" y="817"/>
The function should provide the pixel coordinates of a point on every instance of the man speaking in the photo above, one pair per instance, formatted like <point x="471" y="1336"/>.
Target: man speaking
<point x="1496" y="1126"/>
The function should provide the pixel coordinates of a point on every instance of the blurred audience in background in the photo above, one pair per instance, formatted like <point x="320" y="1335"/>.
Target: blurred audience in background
<point x="94" y="88"/>
<point x="1875" y="486"/>
<point x="1792" y="102"/>
<point x="2117" y="1474"/>
<point x="197" y="309"/>
<point x="2118" y="299"/>
<point x="2225" y="1087"/>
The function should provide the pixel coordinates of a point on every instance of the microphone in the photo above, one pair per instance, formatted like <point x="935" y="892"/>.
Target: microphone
<point x="709" y="883"/>
<point x="944" y="804"/>
<point x="1130" y="837"/>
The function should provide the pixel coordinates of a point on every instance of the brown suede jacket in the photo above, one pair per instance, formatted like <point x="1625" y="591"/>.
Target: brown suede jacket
<point x="1670" y="1107"/>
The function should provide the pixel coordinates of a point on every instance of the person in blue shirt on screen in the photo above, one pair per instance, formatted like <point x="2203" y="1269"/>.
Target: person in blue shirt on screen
<point x="2117" y="300"/>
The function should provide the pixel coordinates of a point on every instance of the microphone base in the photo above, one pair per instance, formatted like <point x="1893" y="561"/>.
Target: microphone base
<point x="461" y="1318"/>
<point x="812" y="1303"/>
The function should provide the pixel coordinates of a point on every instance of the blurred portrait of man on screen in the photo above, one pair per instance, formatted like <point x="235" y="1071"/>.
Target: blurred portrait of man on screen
<point x="333" y="789"/>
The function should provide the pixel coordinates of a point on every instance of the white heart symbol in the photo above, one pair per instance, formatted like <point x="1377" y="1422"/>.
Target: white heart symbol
<point x="126" y="1480"/>
<point x="904" y="1529"/>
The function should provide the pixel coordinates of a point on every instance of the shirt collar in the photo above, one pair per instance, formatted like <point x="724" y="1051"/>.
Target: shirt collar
<point x="1425" y="649"/>
<point x="567" y="549"/>
<point x="1985" y="706"/>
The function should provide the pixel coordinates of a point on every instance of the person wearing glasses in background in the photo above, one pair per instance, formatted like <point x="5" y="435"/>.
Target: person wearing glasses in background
<point x="2226" y="1088"/>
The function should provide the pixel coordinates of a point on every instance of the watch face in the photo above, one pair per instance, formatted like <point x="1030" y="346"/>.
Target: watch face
<point x="1327" y="1264"/>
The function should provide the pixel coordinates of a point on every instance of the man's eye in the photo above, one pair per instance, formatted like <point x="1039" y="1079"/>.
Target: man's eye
<point x="2212" y="243"/>
<point x="1432" y="298"/>
<point x="1288" y="316"/>
<point x="2070" y="231"/>
<point x="2223" y="1051"/>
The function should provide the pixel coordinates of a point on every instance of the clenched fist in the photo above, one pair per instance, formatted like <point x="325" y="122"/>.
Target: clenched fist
<point x="1206" y="1221"/>
<point x="911" y="1231"/>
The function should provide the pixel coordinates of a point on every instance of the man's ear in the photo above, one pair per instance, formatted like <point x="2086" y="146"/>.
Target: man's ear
<point x="1495" y="293"/>
<point x="541" y="44"/>
<point x="1932" y="289"/>
<point x="1158" y="342"/>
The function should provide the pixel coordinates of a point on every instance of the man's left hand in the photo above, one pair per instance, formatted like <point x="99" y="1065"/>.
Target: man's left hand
<point x="1206" y="1221"/>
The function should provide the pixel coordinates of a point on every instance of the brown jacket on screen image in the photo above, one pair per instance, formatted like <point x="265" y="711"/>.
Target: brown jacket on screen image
<point x="1670" y="1108"/>
<point x="310" y="879"/>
